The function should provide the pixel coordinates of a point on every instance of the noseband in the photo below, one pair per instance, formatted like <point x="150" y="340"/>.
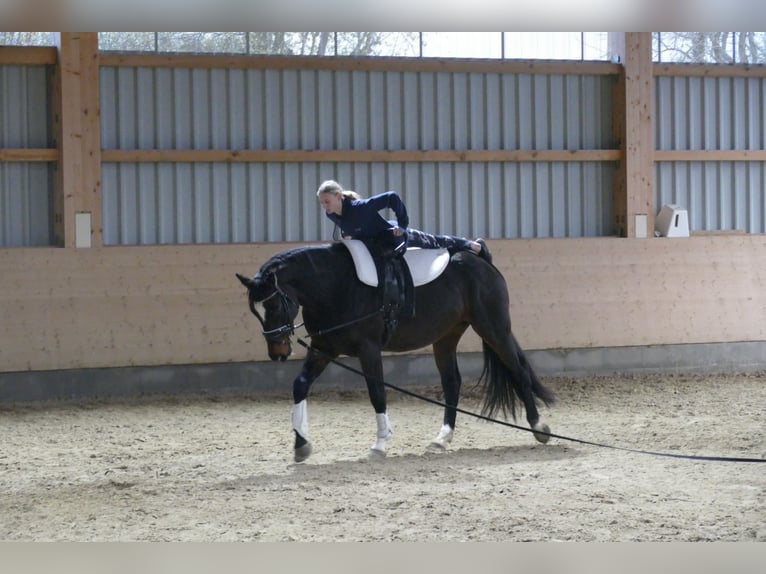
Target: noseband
<point x="276" y="335"/>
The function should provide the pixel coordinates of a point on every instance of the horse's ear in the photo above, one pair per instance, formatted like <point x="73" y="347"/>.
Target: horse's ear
<point x="246" y="281"/>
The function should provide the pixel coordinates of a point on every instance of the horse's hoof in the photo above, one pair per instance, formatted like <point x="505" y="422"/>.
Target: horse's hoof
<point x="377" y="454"/>
<point x="303" y="452"/>
<point x="544" y="428"/>
<point x="439" y="444"/>
<point x="436" y="447"/>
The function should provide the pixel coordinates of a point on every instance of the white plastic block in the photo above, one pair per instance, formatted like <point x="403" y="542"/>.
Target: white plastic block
<point x="672" y="221"/>
<point x="82" y="229"/>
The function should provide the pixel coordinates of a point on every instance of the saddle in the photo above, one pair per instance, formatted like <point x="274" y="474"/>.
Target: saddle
<point x="396" y="276"/>
<point x="424" y="265"/>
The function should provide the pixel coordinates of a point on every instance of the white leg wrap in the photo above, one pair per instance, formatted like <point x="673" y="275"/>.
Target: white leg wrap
<point x="444" y="437"/>
<point x="385" y="432"/>
<point x="301" y="419"/>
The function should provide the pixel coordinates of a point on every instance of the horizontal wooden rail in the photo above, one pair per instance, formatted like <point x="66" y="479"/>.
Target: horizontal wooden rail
<point x="492" y="66"/>
<point x="356" y="156"/>
<point x="27" y="56"/>
<point x="528" y="66"/>
<point x="710" y="155"/>
<point x="29" y="154"/>
<point x="710" y="70"/>
<point x="45" y="55"/>
<point x="382" y="156"/>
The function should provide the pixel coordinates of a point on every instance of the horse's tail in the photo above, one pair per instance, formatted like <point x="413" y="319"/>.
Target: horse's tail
<point x="503" y="384"/>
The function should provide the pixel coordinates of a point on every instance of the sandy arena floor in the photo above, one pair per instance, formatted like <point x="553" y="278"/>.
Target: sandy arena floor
<point x="215" y="469"/>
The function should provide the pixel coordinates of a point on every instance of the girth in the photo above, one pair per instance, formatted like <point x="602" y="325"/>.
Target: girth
<point x="396" y="290"/>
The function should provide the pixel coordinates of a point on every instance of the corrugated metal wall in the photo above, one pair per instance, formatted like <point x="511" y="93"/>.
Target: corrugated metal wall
<point x="223" y="203"/>
<point x="25" y="188"/>
<point x="697" y="113"/>
<point x="165" y="108"/>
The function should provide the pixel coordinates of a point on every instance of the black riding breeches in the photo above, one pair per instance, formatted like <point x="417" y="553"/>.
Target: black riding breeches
<point x="417" y="238"/>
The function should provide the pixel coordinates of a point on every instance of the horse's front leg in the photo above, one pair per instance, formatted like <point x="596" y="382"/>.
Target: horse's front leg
<point x="372" y="366"/>
<point x="313" y="366"/>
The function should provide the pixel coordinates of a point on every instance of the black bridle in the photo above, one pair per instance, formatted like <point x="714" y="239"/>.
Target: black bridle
<point x="278" y="334"/>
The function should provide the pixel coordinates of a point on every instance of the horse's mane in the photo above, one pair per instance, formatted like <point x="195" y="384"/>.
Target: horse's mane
<point x="322" y="273"/>
<point x="306" y="258"/>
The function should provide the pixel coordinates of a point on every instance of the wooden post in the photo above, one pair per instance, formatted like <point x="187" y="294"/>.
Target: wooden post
<point x="634" y="205"/>
<point x="77" y="217"/>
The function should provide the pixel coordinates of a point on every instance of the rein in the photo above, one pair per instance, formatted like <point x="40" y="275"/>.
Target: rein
<point x="289" y="328"/>
<point x="518" y="427"/>
<point x="342" y="325"/>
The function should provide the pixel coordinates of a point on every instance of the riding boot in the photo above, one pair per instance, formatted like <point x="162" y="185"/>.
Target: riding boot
<point x="484" y="253"/>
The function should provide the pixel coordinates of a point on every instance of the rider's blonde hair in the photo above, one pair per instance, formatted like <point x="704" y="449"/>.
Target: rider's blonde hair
<point x="332" y="186"/>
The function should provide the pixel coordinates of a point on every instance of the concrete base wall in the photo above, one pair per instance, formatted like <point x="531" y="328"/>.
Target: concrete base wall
<point x="400" y="370"/>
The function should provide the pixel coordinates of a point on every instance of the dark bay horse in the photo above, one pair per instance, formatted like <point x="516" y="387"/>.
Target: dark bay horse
<point x="341" y="315"/>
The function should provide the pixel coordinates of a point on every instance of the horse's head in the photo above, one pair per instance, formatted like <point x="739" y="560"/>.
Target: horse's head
<point x="279" y="313"/>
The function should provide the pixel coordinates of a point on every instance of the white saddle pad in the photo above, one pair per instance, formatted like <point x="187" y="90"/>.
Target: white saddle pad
<point x="425" y="264"/>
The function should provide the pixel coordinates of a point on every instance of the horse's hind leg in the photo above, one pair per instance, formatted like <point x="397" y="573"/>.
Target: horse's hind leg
<point x="523" y="379"/>
<point x="508" y="372"/>
<point x="445" y="355"/>
<point x="535" y="388"/>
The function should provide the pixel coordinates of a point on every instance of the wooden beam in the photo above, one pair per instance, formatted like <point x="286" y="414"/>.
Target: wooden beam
<point x="76" y="128"/>
<point x="634" y="183"/>
<point x="710" y="155"/>
<point x="711" y="70"/>
<point x="620" y="194"/>
<point x="29" y="154"/>
<point x="27" y="56"/>
<point x="492" y="66"/>
<point x="335" y="156"/>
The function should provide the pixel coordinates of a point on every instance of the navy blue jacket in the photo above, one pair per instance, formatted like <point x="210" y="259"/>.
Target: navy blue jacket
<point x="360" y="219"/>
